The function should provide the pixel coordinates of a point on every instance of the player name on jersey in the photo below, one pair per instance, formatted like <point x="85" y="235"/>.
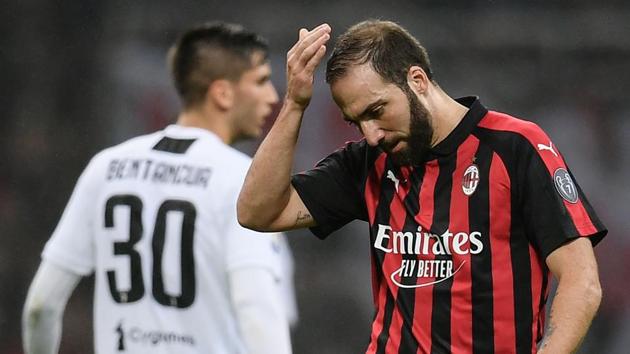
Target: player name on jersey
<point x="158" y="172"/>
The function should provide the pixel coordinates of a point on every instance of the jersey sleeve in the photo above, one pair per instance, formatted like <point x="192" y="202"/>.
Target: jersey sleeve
<point x="247" y="248"/>
<point x="332" y="191"/>
<point x="555" y="210"/>
<point x="71" y="245"/>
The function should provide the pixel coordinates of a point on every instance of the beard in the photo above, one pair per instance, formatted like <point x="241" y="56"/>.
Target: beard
<point x="420" y="133"/>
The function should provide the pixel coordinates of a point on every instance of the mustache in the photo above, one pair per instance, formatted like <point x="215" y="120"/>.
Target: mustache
<point x="389" y="145"/>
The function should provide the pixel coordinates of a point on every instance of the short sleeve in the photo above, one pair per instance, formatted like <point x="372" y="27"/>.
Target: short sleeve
<point x="332" y="191"/>
<point x="555" y="210"/>
<point x="71" y="245"/>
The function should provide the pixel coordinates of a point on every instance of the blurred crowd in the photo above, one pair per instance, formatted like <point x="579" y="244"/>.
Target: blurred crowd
<point x="82" y="75"/>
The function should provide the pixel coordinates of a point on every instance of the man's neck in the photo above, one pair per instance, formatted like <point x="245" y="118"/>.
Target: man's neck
<point x="206" y="120"/>
<point x="447" y="114"/>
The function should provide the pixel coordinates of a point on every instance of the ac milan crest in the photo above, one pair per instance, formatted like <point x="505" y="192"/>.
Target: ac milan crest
<point x="470" y="180"/>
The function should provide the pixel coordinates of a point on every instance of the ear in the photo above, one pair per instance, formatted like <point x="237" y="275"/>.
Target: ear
<point x="418" y="80"/>
<point x="221" y="93"/>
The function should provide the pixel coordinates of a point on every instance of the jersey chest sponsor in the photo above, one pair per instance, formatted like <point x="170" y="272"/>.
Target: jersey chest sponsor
<point x="426" y="243"/>
<point x="427" y="268"/>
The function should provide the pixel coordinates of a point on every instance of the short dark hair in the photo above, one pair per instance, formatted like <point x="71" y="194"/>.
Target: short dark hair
<point x="212" y="51"/>
<point x="388" y="47"/>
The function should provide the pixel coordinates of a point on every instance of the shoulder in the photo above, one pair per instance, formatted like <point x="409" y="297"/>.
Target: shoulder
<point x="221" y="156"/>
<point x="520" y="129"/>
<point x="352" y="154"/>
<point x="520" y="142"/>
<point x="101" y="160"/>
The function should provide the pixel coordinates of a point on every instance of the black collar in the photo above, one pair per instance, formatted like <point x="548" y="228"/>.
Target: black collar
<point x="449" y="145"/>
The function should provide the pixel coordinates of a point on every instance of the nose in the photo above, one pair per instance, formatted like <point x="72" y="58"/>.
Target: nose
<point x="372" y="132"/>
<point x="273" y="94"/>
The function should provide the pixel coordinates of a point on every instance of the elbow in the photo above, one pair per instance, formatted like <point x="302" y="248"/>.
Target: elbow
<point x="244" y="213"/>
<point x="247" y="217"/>
<point x="36" y="313"/>
<point x="244" y="218"/>
<point x="593" y="292"/>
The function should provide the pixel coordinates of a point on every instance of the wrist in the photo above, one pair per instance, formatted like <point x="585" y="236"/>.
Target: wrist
<point x="291" y="104"/>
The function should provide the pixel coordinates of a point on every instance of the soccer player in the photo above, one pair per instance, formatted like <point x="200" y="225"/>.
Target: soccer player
<point x="155" y="219"/>
<point x="469" y="210"/>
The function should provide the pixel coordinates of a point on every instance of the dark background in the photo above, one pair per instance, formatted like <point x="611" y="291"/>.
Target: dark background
<point x="78" y="76"/>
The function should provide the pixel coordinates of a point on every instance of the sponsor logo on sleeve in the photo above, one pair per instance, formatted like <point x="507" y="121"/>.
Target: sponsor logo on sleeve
<point x="542" y="147"/>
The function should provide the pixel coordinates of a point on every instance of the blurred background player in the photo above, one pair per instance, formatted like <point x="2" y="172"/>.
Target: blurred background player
<point x="155" y="219"/>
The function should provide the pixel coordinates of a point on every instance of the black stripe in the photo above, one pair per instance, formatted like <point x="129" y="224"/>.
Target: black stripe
<point x="407" y="296"/>
<point x="383" y="214"/>
<point x="441" y="312"/>
<point x="175" y="146"/>
<point x="522" y="278"/>
<point x="543" y="300"/>
<point x="503" y="144"/>
<point x="481" y="263"/>
<point x="602" y="231"/>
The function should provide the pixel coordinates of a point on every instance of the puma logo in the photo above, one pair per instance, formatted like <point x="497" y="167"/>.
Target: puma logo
<point x="542" y="147"/>
<point x="390" y="175"/>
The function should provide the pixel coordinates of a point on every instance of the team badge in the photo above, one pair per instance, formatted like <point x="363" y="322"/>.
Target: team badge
<point x="470" y="180"/>
<point x="565" y="186"/>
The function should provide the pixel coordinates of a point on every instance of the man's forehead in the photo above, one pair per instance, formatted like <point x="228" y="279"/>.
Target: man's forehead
<point x="261" y="67"/>
<point x="358" y="88"/>
<point x="258" y="58"/>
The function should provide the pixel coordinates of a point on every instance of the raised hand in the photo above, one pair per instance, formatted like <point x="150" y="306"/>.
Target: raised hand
<point x="302" y="60"/>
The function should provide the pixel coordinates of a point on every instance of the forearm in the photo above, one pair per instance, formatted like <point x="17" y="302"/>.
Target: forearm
<point x="267" y="187"/>
<point x="572" y="311"/>
<point x="41" y="331"/>
<point x="44" y="307"/>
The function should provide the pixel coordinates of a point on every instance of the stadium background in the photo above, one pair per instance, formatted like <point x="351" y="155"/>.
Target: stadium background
<point x="78" y="76"/>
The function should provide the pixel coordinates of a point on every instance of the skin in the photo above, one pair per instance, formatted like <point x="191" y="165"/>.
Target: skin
<point x="381" y="111"/>
<point x="235" y="110"/>
<point x="577" y="298"/>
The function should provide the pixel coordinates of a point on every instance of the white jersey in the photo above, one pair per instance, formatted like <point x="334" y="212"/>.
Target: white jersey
<point x="155" y="219"/>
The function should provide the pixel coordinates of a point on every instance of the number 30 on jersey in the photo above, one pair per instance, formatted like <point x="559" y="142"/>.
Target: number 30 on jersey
<point x="126" y="248"/>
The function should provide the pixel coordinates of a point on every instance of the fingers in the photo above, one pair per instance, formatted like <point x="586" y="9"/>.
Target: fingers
<point x="306" y="38"/>
<point x="315" y="59"/>
<point x="312" y="55"/>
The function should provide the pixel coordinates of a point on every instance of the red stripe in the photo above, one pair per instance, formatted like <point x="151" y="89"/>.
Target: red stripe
<point x="502" y="281"/>
<point x="424" y="295"/>
<point x="537" y="267"/>
<point x="372" y="194"/>
<point x="373" y="186"/>
<point x="535" y="136"/>
<point x="461" y="291"/>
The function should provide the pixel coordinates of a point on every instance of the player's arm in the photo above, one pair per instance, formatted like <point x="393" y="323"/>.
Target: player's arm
<point x="259" y="310"/>
<point x="577" y="297"/>
<point x="44" y="307"/>
<point x="267" y="201"/>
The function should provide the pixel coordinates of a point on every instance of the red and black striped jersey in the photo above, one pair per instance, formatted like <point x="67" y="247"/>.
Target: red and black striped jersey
<point x="458" y="244"/>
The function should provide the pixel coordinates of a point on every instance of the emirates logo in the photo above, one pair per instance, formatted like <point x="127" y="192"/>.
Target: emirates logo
<point x="470" y="180"/>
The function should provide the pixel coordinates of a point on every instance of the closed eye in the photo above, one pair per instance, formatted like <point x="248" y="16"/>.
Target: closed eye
<point x="375" y="113"/>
